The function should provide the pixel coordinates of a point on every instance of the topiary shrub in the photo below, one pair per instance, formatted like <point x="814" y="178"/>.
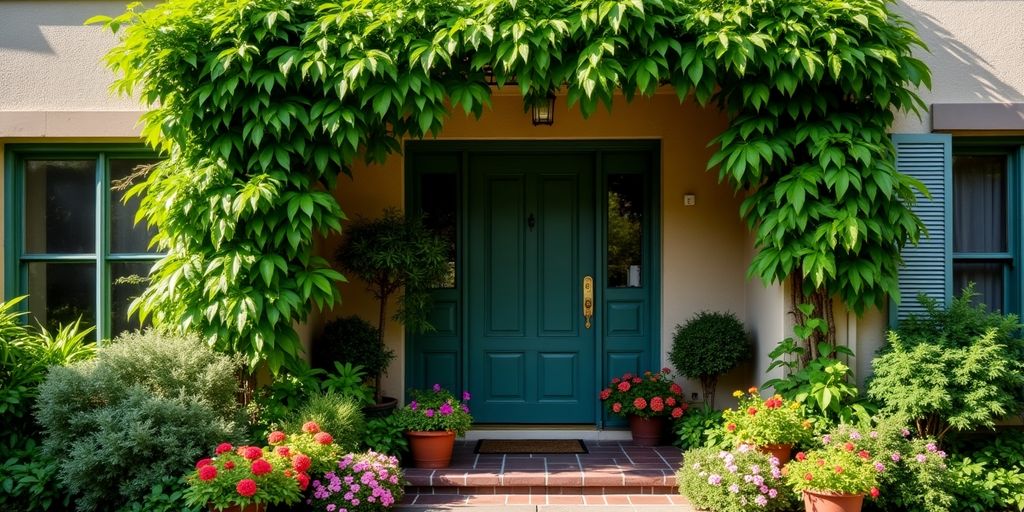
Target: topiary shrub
<point x="707" y="346"/>
<point x="146" y="408"/>
<point x="351" y="340"/>
<point x="334" y="413"/>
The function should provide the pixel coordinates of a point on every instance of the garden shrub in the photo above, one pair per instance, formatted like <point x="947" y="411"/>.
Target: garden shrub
<point x="145" y="409"/>
<point x="28" y="479"/>
<point x="351" y="339"/>
<point x="385" y="435"/>
<point x="740" y="480"/>
<point x="274" y="403"/>
<point x="699" y="428"/>
<point x="707" y="346"/>
<point x="334" y="413"/>
<point x="988" y="472"/>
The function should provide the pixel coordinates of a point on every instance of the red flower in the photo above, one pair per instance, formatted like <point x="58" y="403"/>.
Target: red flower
<point x="252" y="453"/>
<point x="670" y="401"/>
<point x="207" y="473"/>
<point x="624" y="386"/>
<point x="752" y="410"/>
<point x="303" y="480"/>
<point x="261" y="467"/>
<point x="616" y="380"/>
<point x="246" y="487"/>
<point x="848" y="446"/>
<point x="310" y="427"/>
<point x="676" y="389"/>
<point x="637" y="380"/>
<point x="730" y="427"/>
<point x="839" y="470"/>
<point x="773" y="403"/>
<point x="657" y="404"/>
<point x="808" y="477"/>
<point x="203" y="462"/>
<point x="323" y="438"/>
<point x="677" y="412"/>
<point x="627" y="376"/>
<point x="864" y="454"/>
<point x="800" y="456"/>
<point x="283" y="451"/>
<point x="301" y="462"/>
<point x="752" y="389"/>
<point x="223" y="448"/>
<point x="874" y="492"/>
<point x="605" y="393"/>
<point x="616" y="407"/>
<point x="666" y="370"/>
<point x="229" y="465"/>
<point x="276" y="437"/>
<point x="640" y="403"/>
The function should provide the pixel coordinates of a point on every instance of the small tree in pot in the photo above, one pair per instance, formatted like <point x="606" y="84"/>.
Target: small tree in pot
<point x="707" y="346"/>
<point x="395" y="254"/>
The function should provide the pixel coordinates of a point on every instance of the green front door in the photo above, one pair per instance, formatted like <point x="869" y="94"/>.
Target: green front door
<point x="531" y="240"/>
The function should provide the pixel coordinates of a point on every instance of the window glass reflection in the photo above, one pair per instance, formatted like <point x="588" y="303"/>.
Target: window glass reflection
<point x="440" y="203"/>
<point x="625" y="230"/>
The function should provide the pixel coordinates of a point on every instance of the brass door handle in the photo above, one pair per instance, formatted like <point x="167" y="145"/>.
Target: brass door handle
<point x="588" y="300"/>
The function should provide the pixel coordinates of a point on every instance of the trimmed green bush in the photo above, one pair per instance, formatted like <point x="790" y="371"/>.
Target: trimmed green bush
<point x="339" y="415"/>
<point x="145" y="409"/>
<point x="707" y="346"/>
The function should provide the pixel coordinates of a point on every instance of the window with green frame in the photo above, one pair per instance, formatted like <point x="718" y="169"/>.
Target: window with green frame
<point x="71" y="239"/>
<point x="985" y="229"/>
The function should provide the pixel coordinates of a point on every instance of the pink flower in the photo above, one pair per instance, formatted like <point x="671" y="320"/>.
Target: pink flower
<point x="445" y="409"/>
<point x="605" y="393"/>
<point x="670" y="401"/>
<point x="624" y="386"/>
<point x="640" y="403"/>
<point x="303" y="480"/>
<point x="323" y="438"/>
<point x="466" y="396"/>
<point x="666" y="370"/>
<point x="276" y="437"/>
<point x="301" y="462"/>
<point x="246" y="487"/>
<point x="637" y="380"/>
<point x="874" y="492"/>
<point x="676" y="389"/>
<point x="203" y="462"/>
<point x="616" y="407"/>
<point x="222" y="448"/>
<point x="283" y="451"/>
<point x="437" y="388"/>
<point x="414" y="405"/>
<point x="229" y="465"/>
<point x="252" y="453"/>
<point x="657" y="404"/>
<point x="310" y="427"/>
<point x="429" y="413"/>
<point x="261" y="467"/>
<point x="207" y="473"/>
<point x="677" y="412"/>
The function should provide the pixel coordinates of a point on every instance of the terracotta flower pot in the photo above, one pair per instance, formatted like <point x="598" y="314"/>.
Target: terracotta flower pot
<point x="252" y="507"/>
<point x="647" y="431"/>
<point x="822" y="501"/>
<point x="431" y="450"/>
<point x="783" y="452"/>
<point x="381" y="410"/>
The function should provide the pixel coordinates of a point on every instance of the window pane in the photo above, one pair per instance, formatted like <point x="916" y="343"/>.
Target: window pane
<point x="60" y="293"/>
<point x="60" y="206"/>
<point x="625" y="229"/>
<point x="125" y="235"/>
<point x="979" y="203"/>
<point x="440" y="203"/>
<point x="128" y="280"/>
<point x="988" y="282"/>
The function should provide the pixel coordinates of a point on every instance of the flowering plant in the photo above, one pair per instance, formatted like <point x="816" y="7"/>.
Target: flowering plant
<point x="318" y="445"/>
<point x="435" y="409"/>
<point x="739" y="480"/>
<point x="838" y="467"/>
<point x="247" y="475"/>
<point x="360" y="482"/>
<point x="765" y="422"/>
<point x="647" y="395"/>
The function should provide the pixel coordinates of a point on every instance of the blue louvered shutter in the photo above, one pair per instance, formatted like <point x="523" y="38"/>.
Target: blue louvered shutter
<point x="928" y="265"/>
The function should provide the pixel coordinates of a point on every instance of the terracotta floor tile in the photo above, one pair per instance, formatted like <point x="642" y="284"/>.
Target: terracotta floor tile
<point x="518" y="499"/>
<point x="565" y="500"/>
<point x="649" y="500"/>
<point x="478" y="499"/>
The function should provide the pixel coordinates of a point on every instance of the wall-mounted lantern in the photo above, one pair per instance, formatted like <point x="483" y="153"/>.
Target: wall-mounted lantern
<point x="544" y="111"/>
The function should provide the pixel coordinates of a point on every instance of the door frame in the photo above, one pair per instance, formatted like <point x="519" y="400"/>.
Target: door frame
<point x="651" y="246"/>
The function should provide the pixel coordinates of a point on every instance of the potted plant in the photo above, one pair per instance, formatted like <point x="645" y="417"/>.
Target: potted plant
<point x="395" y="254"/>
<point x="351" y="342"/>
<point x="833" y="478"/>
<point x="773" y="425"/>
<point x="647" y="401"/>
<point x="380" y="478"/>
<point x="740" y="479"/>
<point x="247" y="479"/>
<point x="431" y="421"/>
<point x="707" y="346"/>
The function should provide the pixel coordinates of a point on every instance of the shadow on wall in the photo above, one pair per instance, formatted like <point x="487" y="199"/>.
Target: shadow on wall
<point x="957" y="69"/>
<point x="23" y="24"/>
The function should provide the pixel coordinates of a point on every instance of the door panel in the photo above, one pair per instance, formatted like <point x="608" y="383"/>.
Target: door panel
<point x="531" y="238"/>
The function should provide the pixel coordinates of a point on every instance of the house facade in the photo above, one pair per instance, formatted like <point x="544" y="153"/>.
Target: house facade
<point x="615" y="211"/>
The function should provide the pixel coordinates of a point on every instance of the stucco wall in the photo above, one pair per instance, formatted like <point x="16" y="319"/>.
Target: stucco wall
<point x="977" y="52"/>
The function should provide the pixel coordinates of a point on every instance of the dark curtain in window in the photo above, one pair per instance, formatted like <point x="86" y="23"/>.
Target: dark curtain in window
<point x="979" y="203"/>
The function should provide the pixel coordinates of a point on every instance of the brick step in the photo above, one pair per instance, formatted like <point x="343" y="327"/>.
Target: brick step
<point x="662" y="502"/>
<point x="602" y="478"/>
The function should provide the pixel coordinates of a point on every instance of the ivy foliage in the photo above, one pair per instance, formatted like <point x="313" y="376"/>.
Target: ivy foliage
<point x="261" y="103"/>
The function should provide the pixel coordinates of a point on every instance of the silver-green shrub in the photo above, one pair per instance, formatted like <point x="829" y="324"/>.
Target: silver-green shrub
<point x="146" y="408"/>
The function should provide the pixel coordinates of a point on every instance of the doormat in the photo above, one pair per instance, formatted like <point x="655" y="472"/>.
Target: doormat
<point x="518" y="446"/>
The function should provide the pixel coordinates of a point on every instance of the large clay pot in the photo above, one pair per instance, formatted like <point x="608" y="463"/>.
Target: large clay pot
<point x="821" y="501"/>
<point x="431" y="450"/>
<point x="783" y="452"/>
<point x="647" y="431"/>
<point x="252" y="507"/>
<point x="381" y="410"/>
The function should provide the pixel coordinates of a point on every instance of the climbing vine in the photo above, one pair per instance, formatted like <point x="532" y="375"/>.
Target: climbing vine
<point x="260" y="104"/>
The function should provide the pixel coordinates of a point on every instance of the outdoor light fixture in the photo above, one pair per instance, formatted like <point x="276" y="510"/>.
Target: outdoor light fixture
<point x="544" y="111"/>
